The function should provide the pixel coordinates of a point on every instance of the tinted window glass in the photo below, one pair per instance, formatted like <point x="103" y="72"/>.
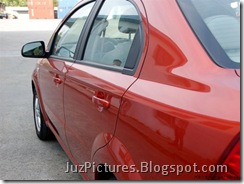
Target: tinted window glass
<point x="68" y="36"/>
<point x="113" y="33"/>
<point x="222" y="21"/>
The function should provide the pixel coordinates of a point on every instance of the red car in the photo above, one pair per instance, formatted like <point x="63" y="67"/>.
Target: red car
<point x="143" y="89"/>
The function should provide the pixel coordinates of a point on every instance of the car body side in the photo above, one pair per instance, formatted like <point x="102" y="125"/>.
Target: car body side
<point x="181" y="116"/>
<point x="178" y="108"/>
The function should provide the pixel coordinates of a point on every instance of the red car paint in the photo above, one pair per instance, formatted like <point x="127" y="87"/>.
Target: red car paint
<point x="179" y="108"/>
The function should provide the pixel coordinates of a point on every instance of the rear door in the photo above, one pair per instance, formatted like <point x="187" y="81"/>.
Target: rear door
<point x="95" y="84"/>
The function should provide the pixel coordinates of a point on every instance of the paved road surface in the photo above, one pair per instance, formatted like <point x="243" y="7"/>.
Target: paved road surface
<point x="22" y="155"/>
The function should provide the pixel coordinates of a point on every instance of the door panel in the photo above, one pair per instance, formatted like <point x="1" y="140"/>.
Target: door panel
<point x="92" y="98"/>
<point x="54" y="69"/>
<point x="52" y="74"/>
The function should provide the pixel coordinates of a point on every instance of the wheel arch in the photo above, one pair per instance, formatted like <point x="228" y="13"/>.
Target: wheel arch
<point x="36" y="90"/>
<point x="114" y="154"/>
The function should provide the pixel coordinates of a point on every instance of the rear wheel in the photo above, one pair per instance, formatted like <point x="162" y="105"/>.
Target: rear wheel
<point x="42" y="131"/>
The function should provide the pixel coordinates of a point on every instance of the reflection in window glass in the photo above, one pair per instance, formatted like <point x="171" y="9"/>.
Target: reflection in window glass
<point x="68" y="35"/>
<point x="112" y="33"/>
<point x="223" y="20"/>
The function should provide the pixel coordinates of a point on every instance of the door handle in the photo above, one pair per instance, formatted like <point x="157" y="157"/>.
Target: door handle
<point x="57" y="80"/>
<point x="100" y="102"/>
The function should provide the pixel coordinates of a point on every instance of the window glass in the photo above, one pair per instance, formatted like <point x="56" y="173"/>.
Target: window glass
<point x="68" y="36"/>
<point x="223" y="20"/>
<point x="217" y="25"/>
<point x="112" y="34"/>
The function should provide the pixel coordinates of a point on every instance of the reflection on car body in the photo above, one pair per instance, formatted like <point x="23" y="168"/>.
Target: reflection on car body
<point x="143" y="84"/>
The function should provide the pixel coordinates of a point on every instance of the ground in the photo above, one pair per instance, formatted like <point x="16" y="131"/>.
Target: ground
<point x="23" y="155"/>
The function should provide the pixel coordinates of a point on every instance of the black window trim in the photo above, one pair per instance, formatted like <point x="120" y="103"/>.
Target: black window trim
<point x="136" y="46"/>
<point x="86" y="32"/>
<point x="135" y="53"/>
<point x="200" y="29"/>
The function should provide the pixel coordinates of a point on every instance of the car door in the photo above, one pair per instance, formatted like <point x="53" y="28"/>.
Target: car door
<point x="95" y="84"/>
<point x="54" y="68"/>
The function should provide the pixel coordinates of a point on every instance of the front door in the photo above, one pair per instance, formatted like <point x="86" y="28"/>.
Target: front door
<point x="54" y="69"/>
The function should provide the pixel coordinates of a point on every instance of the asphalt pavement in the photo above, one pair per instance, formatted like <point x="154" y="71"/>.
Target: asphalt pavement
<point x="22" y="155"/>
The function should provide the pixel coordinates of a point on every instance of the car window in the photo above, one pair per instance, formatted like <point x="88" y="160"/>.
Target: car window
<point x="112" y="34"/>
<point x="224" y="24"/>
<point x="67" y="37"/>
<point x="217" y="25"/>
